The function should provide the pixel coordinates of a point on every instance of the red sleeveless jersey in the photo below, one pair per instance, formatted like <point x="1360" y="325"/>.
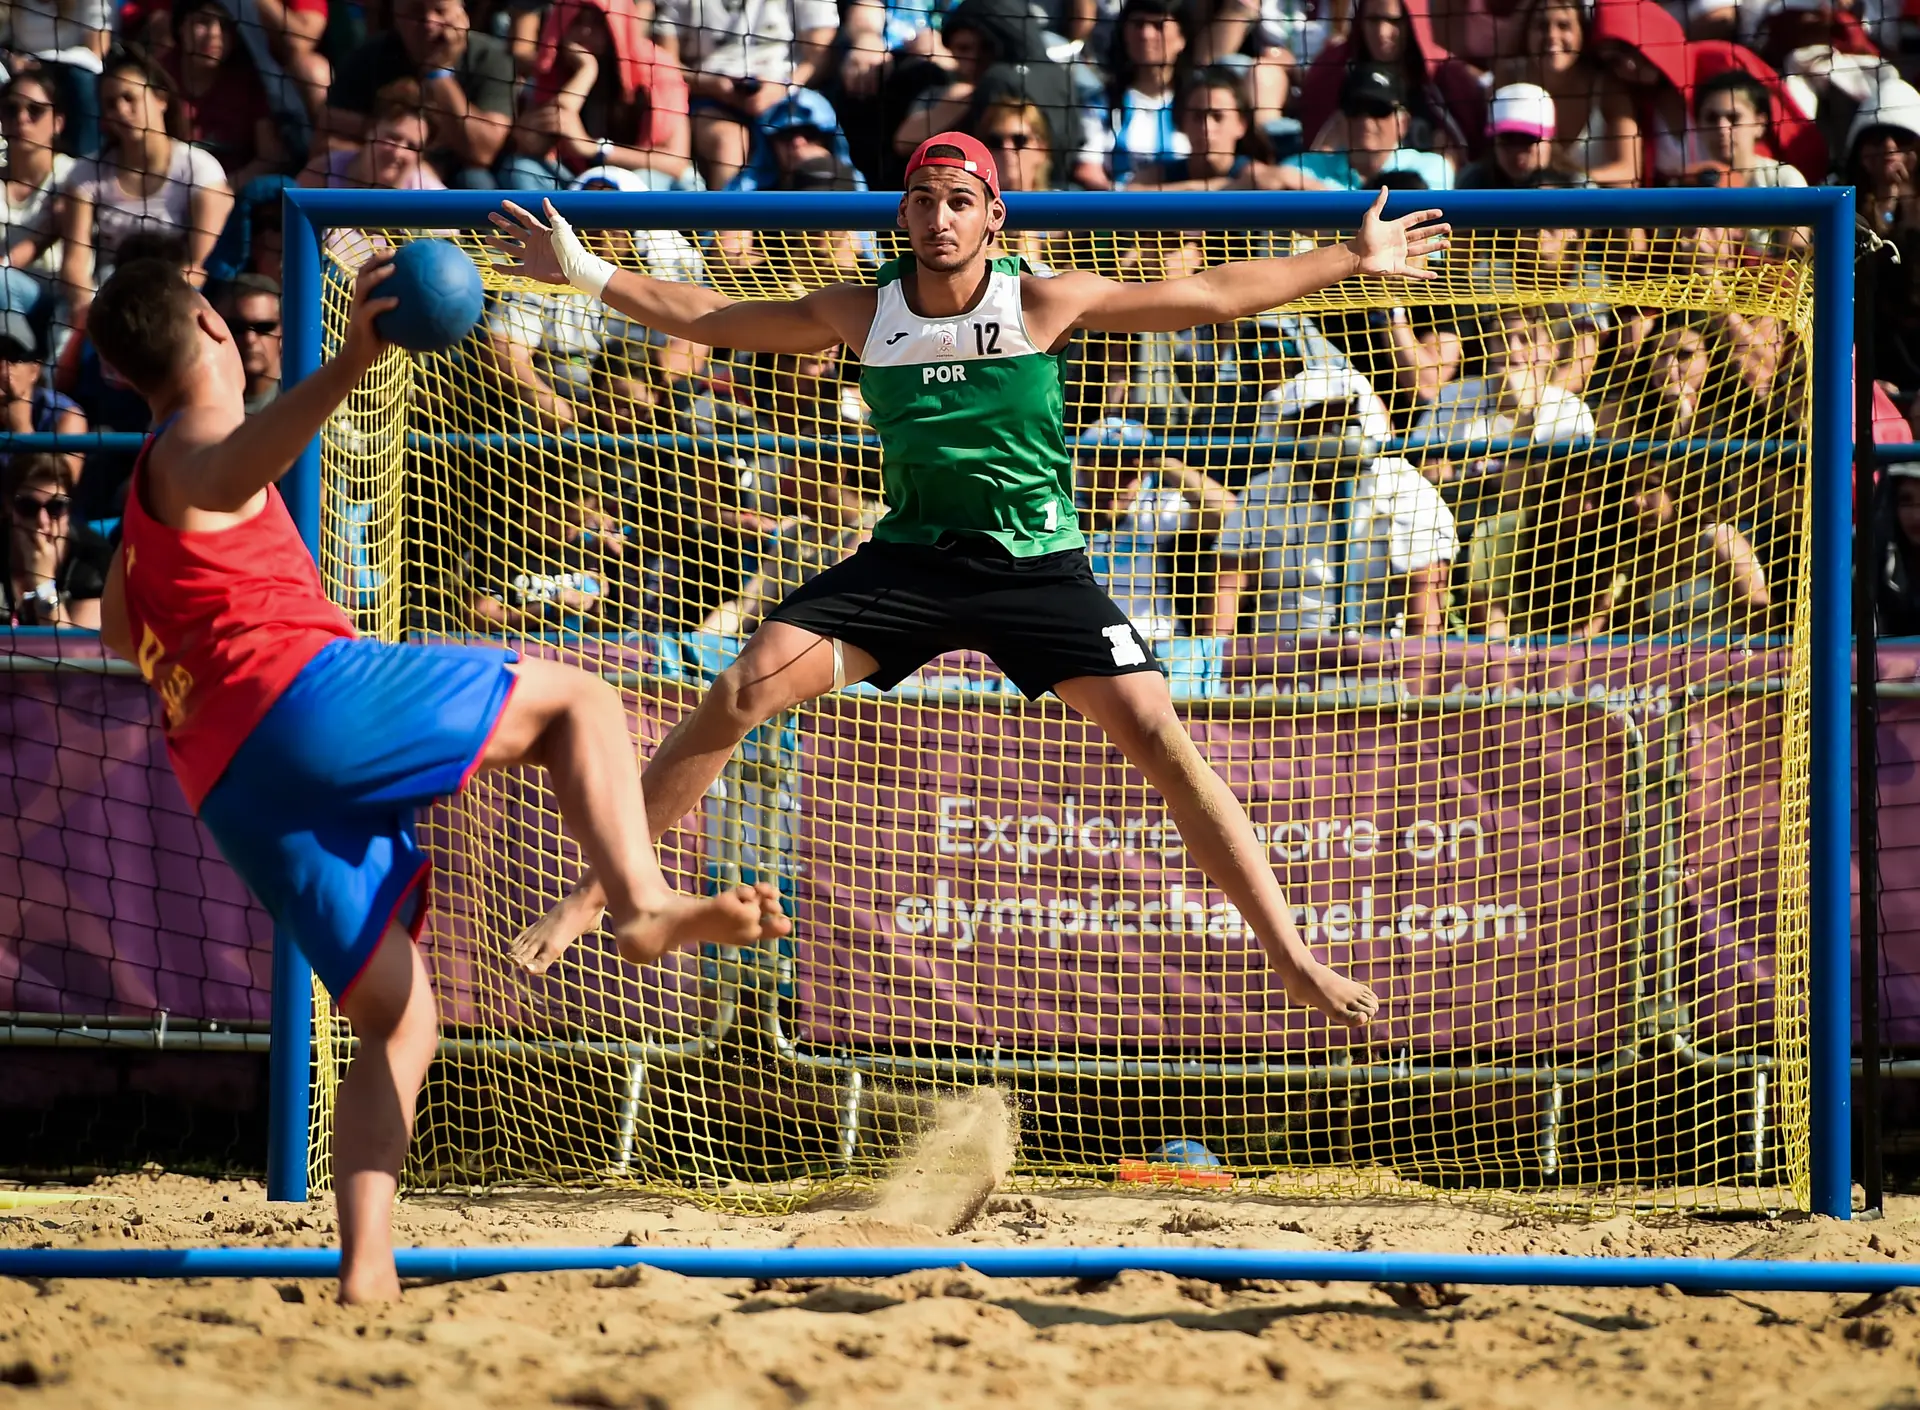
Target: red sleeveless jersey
<point x="221" y="623"/>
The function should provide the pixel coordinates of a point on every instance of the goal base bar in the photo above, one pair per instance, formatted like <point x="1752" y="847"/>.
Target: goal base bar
<point x="1214" y="1265"/>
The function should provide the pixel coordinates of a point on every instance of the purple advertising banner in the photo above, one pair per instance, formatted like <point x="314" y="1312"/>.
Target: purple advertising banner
<point x="1485" y="851"/>
<point x="976" y="875"/>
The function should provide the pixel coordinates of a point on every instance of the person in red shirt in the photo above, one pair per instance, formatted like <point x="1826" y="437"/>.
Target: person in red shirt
<point x="218" y="99"/>
<point x="305" y="748"/>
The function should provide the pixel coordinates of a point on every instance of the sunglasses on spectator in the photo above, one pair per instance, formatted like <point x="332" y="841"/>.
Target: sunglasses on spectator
<point x="812" y="134"/>
<point x="382" y="141"/>
<point x="259" y="327"/>
<point x="27" y="507"/>
<point x="25" y="110"/>
<point x="1018" y="141"/>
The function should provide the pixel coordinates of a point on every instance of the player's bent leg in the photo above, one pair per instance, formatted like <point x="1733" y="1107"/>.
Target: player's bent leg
<point x="391" y="1008"/>
<point x="1136" y="712"/>
<point x="575" y="726"/>
<point x="780" y="667"/>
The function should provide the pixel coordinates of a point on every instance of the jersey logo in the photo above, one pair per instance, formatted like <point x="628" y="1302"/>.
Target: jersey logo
<point x="895" y="338"/>
<point x="1125" y="645"/>
<point x="946" y="339"/>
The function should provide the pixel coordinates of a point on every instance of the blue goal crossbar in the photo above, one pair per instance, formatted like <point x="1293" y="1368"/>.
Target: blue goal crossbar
<point x="1827" y="211"/>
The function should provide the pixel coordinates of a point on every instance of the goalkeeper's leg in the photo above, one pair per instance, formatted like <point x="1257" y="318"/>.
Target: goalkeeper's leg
<point x="781" y="667"/>
<point x="1137" y="714"/>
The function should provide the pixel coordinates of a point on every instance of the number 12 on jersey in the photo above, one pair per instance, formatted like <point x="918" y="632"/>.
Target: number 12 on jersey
<point x="986" y="340"/>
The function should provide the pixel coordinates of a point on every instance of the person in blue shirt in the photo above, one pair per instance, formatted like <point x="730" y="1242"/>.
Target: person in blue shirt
<point x="1373" y="103"/>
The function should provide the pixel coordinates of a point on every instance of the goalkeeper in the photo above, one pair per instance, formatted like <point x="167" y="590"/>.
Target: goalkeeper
<point x="980" y="550"/>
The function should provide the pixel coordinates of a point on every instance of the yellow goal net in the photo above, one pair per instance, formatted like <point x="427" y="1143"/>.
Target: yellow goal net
<point x="1486" y="594"/>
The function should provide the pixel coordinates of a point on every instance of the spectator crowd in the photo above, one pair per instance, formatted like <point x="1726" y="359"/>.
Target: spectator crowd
<point x="1422" y="469"/>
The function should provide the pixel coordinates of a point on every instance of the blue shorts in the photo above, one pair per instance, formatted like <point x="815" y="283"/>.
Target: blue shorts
<point x="315" y="812"/>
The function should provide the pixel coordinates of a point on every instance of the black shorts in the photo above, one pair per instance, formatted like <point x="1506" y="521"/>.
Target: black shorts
<point x="1043" y="620"/>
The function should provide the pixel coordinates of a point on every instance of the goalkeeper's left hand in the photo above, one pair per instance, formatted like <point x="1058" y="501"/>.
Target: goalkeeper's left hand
<point x="1395" y="246"/>
<point x="550" y="253"/>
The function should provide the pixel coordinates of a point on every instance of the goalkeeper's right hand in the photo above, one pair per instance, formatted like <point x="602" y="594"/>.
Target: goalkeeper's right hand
<point x="551" y="253"/>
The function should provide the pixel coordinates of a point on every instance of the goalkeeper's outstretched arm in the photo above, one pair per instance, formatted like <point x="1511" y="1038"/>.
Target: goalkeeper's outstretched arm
<point x="1239" y="290"/>
<point x="552" y="253"/>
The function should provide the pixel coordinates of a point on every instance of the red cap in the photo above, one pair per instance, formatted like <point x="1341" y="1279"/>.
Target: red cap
<point x="974" y="157"/>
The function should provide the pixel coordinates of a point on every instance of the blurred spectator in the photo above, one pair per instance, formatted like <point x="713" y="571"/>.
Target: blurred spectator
<point x="56" y="569"/>
<point x="1151" y="525"/>
<point x="1897" y="589"/>
<point x="1660" y="392"/>
<point x="253" y="317"/>
<point x="392" y="158"/>
<point x="1883" y="160"/>
<point x="1643" y="47"/>
<point x="1731" y="110"/>
<point x="1266" y="40"/>
<point x="1595" y="137"/>
<point x="281" y="36"/>
<point x="554" y="354"/>
<point x="1516" y="399"/>
<point x="1522" y="125"/>
<point x="797" y="130"/>
<point x="824" y="512"/>
<point x="1288" y="526"/>
<point x="1683" y="575"/>
<point x="1447" y="107"/>
<point x="1373" y="102"/>
<point x="531" y="159"/>
<point x="1824" y="49"/>
<point x="250" y="241"/>
<point x="465" y="83"/>
<point x="219" y="101"/>
<point x="34" y="173"/>
<point x="526" y="570"/>
<point x="1224" y="150"/>
<point x="30" y="400"/>
<point x="607" y="94"/>
<point x="144" y="179"/>
<point x="1552" y="566"/>
<point x="1022" y="146"/>
<point x="740" y="60"/>
<point x="67" y="41"/>
<point x="1147" y="67"/>
<point x="997" y="50"/>
<point x="1231" y="376"/>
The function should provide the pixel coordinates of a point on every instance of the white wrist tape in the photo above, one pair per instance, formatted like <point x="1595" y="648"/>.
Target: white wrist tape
<point x="585" y="270"/>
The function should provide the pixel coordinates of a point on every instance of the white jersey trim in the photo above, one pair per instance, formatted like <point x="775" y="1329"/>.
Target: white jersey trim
<point x="993" y="329"/>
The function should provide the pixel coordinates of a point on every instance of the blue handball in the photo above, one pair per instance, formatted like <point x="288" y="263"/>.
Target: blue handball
<point x="440" y="296"/>
<point x="1185" y="1152"/>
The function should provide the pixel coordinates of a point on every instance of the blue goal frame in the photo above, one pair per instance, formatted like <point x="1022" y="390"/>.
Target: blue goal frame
<point x="1828" y="211"/>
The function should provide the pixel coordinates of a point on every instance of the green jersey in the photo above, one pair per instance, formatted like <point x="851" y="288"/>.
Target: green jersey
<point x="970" y="418"/>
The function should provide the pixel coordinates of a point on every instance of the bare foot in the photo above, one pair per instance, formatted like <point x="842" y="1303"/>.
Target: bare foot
<point x="549" y="937"/>
<point x="739" y="915"/>
<point x="1342" y="999"/>
<point x="360" y="1287"/>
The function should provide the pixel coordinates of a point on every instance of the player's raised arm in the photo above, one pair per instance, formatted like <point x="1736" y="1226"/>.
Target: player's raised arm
<point x="222" y="462"/>
<point x="1246" y="287"/>
<point x="552" y="253"/>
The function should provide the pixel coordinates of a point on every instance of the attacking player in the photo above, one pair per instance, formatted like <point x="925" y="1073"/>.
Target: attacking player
<point x="306" y="749"/>
<point x="959" y="354"/>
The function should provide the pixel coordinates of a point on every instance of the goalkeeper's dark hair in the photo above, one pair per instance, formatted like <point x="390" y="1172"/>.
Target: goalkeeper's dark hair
<point x="142" y="322"/>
